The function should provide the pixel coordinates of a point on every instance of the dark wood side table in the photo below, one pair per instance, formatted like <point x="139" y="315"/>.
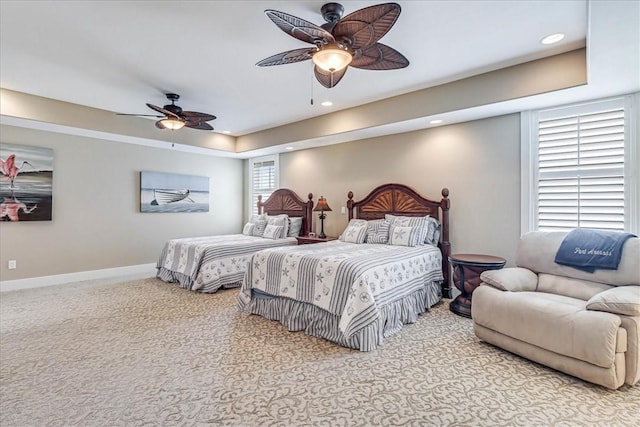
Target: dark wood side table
<point x="306" y="240"/>
<point x="466" y="276"/>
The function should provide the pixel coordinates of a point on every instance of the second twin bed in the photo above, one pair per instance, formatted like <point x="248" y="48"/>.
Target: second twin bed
<point x="389" y="266"/>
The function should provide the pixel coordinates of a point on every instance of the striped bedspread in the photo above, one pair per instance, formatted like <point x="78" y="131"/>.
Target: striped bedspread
<point x="351" y="281"/>
<point x="206" y="264"/>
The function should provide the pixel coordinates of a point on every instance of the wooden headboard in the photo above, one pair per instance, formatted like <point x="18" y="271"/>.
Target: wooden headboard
<point x="398" y="199"/>
<point x="285" y="201"/>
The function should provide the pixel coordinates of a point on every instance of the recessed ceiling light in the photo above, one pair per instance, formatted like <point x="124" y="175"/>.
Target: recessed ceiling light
<point x="327" y="104"/>
<point x="226" y="131"/>
<point x="288" y="148"/>
<point x="552" y="38"/>
<point x="435" y="122"/>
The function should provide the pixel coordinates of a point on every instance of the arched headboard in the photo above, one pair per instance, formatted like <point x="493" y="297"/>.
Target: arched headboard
<point x="285" y="201"/>
<point x="399" y="199"/>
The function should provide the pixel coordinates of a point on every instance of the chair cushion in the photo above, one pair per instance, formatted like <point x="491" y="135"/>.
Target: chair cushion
<point x="569" y="287"/>
<point x="554" y="322"/>
<point x="621" y="300"/>
<point x="511" y="279"/>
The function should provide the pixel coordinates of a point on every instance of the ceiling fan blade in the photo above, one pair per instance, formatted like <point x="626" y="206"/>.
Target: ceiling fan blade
<point x="366" y="26"/>
<point x="196" y="117"/>
<point x="287" y="57"/>
<point x="199" y="125"/>
<point x="379" y="57"/>
<point x="138" y="115"/>
<point x="299" y="28"/>
<point x="163" y="111"/>
<point x="328" y="79"/>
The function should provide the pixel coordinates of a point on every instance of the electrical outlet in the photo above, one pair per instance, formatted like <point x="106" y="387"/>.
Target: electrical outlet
<point x="343" y="210"/>
<point x="12" y="264"/>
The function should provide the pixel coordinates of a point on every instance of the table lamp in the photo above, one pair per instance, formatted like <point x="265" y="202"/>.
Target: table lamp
<point x="321" y="207"/>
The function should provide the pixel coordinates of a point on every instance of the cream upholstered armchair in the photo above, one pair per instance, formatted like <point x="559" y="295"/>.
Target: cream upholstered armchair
<point x="584" y="324"/>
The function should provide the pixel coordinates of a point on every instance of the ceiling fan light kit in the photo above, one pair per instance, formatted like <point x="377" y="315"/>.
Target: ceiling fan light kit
<point x="172" y="123"/>
<point x="340" y="42"/>
<point x="174" y="117"/>
<point x="332" y="57"/>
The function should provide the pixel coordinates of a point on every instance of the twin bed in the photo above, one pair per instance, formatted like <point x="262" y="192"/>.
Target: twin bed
<point x="352" y="292"/>
<point x="206" y="264"/>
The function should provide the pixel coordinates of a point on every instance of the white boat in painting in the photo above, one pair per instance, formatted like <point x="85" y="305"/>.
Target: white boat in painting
<point x="162" y="197"/>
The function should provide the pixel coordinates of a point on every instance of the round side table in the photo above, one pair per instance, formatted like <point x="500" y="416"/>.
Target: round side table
<point x="466" y="276"/>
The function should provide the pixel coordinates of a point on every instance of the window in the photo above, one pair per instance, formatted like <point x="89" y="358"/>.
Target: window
<point x="580" y="166"/>
<point x="263" y="180"/>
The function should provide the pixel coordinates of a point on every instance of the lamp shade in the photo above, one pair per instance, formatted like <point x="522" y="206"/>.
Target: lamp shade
<point x="322" y="205"/>
<point x="332" y="58"/>
<point x="172" y="123"/>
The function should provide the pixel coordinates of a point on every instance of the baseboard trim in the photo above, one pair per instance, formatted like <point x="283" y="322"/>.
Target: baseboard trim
<point x="131" y="271"/>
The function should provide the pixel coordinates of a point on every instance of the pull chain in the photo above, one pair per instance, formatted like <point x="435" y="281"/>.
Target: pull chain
<point x="311" y="88"/>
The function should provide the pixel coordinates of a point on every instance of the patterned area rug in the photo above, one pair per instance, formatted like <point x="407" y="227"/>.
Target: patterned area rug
<point x="149" y="353"/>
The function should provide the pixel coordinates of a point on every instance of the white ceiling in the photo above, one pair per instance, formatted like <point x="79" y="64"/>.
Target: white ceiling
<point x="119" y="55"/>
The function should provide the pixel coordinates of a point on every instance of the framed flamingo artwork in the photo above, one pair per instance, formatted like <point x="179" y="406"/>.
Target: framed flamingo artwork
<point x="171" y="192"/>
<point x="26" y="189"/>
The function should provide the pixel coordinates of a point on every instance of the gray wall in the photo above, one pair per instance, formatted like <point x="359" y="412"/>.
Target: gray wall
<point x="478" y="161"/>
<point x="97" y="222"/>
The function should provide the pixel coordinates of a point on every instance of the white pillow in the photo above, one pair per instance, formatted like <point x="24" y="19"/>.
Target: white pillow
<point x="295" y="226"/>
<point x="356" y="231"/>
<point x="248" y="229"/>
<point x="405" y="236"/>
<point x="273" y="231"/>
<point x="280" y="221"/>
<point x="623" y="300"/>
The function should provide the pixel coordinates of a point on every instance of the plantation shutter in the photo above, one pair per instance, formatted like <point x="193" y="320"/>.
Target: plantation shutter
<point x="263" y="181"/>
<point x="581" y="169"/>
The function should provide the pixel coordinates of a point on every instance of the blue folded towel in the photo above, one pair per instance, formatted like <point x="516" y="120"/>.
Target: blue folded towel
<point x="588" y="250"/>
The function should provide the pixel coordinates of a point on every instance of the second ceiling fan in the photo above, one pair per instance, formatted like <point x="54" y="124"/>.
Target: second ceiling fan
<point x="174" y="117"/>
<point x="340" y="42"/>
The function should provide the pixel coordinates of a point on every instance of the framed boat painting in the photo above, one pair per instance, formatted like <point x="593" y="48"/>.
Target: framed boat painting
<point x="26" y="189"/>
<point x="170" y="192"/>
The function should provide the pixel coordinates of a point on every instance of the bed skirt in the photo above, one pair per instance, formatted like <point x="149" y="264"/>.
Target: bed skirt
<point x="186" y="282"/>
<point x="314" y="321"/>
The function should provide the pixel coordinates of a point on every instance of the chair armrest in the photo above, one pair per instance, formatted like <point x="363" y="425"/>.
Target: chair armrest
<point x="513" y="279"/>
<point x="618" y="300"/>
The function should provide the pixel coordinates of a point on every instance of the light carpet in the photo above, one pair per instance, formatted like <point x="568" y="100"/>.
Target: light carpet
<point x="147" y="353"/>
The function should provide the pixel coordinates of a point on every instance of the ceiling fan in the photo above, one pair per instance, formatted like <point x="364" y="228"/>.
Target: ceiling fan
<point x="340" y="42"/>
<point x="174" y="117"/>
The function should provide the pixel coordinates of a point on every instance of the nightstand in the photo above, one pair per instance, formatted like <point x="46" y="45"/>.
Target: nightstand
<point x="306" y="240"/>
<point x="466" y="276"/>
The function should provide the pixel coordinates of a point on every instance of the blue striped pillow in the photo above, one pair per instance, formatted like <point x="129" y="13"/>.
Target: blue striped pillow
<point x="295" y="226"/>
<point x="433" y="231"/>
